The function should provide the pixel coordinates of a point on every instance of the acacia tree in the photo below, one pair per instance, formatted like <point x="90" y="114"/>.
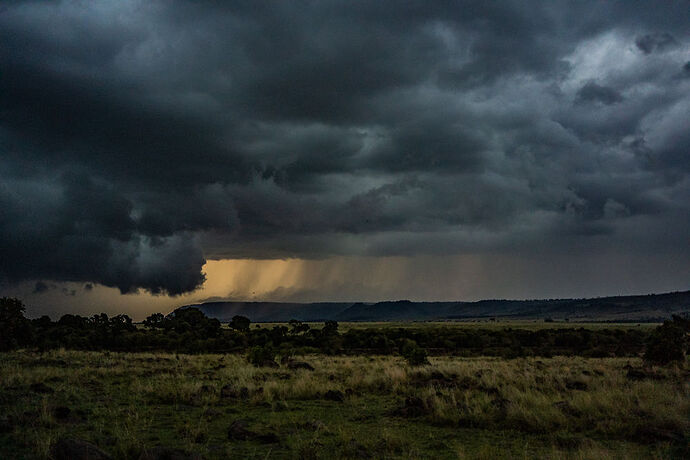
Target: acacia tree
<point x="240" y="323"/>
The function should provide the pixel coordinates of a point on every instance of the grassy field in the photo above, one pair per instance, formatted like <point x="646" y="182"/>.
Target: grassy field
<point x="220" y="406"/>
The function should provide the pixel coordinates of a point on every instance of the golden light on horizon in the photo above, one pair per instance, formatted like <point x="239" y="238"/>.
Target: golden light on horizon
<point x="250" y="278"/>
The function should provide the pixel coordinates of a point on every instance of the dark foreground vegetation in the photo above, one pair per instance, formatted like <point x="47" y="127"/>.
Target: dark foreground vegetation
<point x="190" y="331"/>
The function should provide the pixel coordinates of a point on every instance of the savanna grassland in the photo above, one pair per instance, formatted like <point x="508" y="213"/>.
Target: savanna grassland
<point x="221" y="406"/>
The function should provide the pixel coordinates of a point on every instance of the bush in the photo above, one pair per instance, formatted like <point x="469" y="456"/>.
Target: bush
<point x="669" y="342"/>
<point x="260" y="356"/>
<point x="413" y="353"/>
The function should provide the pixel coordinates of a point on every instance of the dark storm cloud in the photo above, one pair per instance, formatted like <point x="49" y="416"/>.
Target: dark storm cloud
<point x="140" y="138"/>
<point x="655" y="42"/>
<point x="40" y="287"/>
<point x="592" y="92"/>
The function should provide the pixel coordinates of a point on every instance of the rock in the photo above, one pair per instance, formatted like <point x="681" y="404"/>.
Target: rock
<point x="61" y="412"/>
<point x="166" y="453"/>
<point x="334" y="395"/>
<point x="294" y="365"/>
<point x="76" y="449"/>
<point x="42" y="388"/>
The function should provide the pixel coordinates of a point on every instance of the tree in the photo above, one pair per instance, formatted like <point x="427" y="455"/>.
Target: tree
<point x="669" y="342"/>
<point x="121" y="323"/>
<point x="298" y="326"/>
<point x="154" y="321"/>
<point x="15" y="329"/>
<point x="73" y="321"/>
<point x="240" y="323"/>
<point x="100" y="321"/>
<point x="187" y="319"/>
<point x="330" y="328"/>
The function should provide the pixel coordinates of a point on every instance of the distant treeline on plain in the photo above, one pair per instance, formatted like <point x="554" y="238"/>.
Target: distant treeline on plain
<point x="188" y="330"/>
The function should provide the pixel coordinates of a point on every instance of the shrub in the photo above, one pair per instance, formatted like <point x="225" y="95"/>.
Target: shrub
<point x="413" y="353"/>
<point x="669" y="342"/>
<point x="259" y="356"/>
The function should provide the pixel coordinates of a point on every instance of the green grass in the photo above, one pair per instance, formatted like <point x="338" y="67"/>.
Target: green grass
<point x="470" y="407"/>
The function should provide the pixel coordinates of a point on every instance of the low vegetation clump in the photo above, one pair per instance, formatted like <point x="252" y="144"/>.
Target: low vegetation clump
<point x="413" y="353"/>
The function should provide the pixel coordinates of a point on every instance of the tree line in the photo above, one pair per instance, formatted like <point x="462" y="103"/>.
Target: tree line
<point x="188" y="330"/>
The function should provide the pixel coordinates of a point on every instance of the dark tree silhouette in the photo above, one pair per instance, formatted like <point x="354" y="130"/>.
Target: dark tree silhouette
<point x="154" y="321"/>
<point x="15" y="329"/>
<point x="240" y="323"/>
<point x="669" y="342"/>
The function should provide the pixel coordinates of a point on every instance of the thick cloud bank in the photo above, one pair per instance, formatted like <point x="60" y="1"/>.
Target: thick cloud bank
<point x="138" y="138"/>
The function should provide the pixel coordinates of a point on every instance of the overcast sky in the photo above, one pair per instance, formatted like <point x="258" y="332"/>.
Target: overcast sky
<point x="341" y="150"/>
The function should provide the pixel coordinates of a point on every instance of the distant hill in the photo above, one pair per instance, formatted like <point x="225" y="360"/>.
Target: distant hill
<point x="652" y="307"/>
